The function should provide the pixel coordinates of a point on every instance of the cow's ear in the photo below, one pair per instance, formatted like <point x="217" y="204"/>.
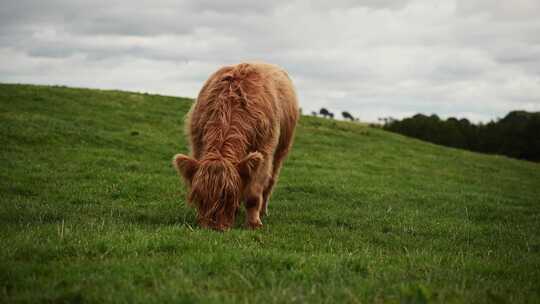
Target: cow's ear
<point x="186" y="166"/>
<point x="249" y="165"/>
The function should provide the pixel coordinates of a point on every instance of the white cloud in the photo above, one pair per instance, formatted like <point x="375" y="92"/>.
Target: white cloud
<point x="478" y="59"/>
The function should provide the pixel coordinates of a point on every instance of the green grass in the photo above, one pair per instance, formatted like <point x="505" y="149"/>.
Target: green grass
<point x="92" y="211"/>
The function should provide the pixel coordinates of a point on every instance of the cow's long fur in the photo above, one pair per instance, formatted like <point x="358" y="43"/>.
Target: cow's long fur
<point x="240" y="129"/>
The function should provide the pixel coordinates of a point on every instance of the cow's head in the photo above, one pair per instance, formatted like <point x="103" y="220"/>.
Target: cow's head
<point x="216" y="186"/>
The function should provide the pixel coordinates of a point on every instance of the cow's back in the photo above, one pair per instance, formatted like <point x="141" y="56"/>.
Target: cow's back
<point x="287" y="104"/>
<point x="243" y="108"/>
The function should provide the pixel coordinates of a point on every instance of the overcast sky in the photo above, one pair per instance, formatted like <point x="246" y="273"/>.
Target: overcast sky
<point x="374" y="58"/>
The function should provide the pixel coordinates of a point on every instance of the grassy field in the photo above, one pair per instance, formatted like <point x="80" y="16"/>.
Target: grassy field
<point x="92" y="211"/>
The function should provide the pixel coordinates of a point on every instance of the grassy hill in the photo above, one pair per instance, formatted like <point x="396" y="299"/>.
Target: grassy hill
<point x="92" y="211"/>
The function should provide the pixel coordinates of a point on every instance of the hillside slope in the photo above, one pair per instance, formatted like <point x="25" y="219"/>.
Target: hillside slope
<point x="91" y="211"/>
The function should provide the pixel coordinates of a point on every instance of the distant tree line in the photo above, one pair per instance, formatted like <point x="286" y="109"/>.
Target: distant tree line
<point x="327" y="114"/>
<point x="516" y="135"/>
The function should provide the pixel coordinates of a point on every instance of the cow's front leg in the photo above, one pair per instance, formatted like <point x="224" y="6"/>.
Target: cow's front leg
<point x="253" y="211"/>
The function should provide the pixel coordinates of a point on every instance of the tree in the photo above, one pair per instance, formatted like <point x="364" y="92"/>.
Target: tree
<point x="347" y="115"/>
<point x="516" y="135"/>
<point x="325" y="113"/>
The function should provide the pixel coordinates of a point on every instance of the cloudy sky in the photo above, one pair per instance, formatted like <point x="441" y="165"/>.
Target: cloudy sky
<point x="374" y="58"/>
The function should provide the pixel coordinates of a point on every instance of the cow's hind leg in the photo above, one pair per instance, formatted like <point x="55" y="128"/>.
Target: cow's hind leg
<point x="266" y="195"/>
<point x="269" y="187"/>
<point x="279" y="157"/>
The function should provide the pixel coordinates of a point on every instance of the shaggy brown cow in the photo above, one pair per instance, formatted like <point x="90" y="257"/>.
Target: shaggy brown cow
<point x="240" y="129"/>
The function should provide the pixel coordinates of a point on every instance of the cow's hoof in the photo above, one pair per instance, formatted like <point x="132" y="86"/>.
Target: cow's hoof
<point x="254" y="225"/>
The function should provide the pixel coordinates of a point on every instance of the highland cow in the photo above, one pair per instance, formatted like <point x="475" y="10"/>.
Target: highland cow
<point x="240" y="129"/>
